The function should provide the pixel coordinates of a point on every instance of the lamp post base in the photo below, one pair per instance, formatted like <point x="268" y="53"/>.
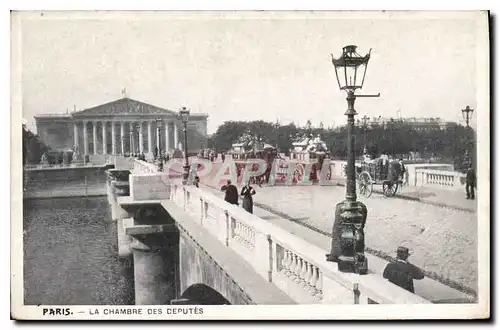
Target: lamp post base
<point x="348" y="237"/>
<point x="357" y="264"/>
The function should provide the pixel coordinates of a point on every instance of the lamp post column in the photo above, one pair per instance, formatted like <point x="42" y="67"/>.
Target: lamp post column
<point x="351" y="179"/>
<point x="186" y="159"/>
<point x="350" y="214"/>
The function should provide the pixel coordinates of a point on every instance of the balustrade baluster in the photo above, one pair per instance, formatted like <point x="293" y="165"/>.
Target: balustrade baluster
<point x="298" y="270"/>
<point x="313" y="280"/>
<point x="242" y="232"/>
<point x="319" y="286"/>
<point x="247" y="235"/>
<point x="307" y="276"/>
<point x="285" y="262"/>
<point x="237" y="231"/>
<point x="303" y="270"/>
<point x="293" y="266"/>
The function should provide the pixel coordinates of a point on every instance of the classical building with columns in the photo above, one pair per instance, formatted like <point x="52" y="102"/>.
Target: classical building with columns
<point x="121" y="127"/>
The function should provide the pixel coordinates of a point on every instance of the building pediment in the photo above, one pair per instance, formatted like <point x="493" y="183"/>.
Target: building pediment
<point x="123" y="107"/>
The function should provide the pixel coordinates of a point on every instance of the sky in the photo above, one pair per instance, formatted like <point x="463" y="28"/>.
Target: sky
<point x="249" y="66"/>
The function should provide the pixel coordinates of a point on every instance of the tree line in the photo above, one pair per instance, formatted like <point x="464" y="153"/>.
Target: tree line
<point x="397" y="138"/>
<point x="33" y="147"/>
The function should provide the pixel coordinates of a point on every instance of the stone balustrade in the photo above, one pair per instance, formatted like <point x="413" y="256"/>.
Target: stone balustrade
<point x="295" y="266"/>
<point x="440" y="179"/>
<point x="141" y="166"/>
<point x="419" y="175"/>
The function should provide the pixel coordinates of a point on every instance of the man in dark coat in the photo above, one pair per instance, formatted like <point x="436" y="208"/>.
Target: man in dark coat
<point x="231" y="193"/>
<point x="470" y="183"/>
<point x="401" y="272"/>
<point x="336" y="249"/>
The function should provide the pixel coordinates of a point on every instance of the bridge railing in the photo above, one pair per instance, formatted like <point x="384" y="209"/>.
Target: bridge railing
<point x="144" y="167"/>
<point x="440" y="179"/>
<point x="294" y="265"/>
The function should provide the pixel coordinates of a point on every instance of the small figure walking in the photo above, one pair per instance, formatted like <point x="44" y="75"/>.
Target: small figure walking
<point x="197" y="181"/>
<point x="470" y="182"/>
<point x="231" y="193"/>
<point x="247" y="191"/>
<point x="401" y="272"/>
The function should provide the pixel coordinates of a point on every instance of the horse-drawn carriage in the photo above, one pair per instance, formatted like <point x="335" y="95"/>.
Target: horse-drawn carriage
<point x="388" y="175"/>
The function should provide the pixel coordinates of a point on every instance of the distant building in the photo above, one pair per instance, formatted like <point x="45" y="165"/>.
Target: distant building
<point x="423" y="124"/>
<point x="121" y="127"/>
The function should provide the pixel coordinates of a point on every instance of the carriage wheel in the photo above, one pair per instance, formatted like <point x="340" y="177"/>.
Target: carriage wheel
<point x="298" y="173"/>
<point x="365" y="184"/>
<point x="390" y="188"/>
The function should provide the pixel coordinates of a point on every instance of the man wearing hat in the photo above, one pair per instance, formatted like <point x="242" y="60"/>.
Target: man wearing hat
<point x="401" y="272"/>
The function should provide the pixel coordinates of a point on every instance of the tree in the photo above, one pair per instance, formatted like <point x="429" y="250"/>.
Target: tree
<point x="33" y="147"/>
<point x="394" y="137"/>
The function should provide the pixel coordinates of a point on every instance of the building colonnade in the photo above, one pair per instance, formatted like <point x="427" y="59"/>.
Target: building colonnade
<point x="130" y="140"/>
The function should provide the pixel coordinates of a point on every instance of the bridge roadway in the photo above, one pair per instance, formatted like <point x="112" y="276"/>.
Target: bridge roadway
<point x="442" y="240"/>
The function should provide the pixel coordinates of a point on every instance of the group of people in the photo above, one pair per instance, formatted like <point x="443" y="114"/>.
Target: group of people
<point x="232" y="196"/>
<point x="207" y="154"/>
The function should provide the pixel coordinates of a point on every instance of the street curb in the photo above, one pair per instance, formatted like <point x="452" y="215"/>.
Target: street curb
<point x="423" y="201"/>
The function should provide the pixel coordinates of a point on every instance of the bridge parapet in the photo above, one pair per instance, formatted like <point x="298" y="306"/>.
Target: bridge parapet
<point x="141" y="166"/>
<point x="292" y="264"/>
<point x="439" y="179"/>
<point x="419" y="175"/>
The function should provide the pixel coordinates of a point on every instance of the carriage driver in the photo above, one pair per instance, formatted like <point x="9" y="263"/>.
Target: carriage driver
<point x="384" y="164"/>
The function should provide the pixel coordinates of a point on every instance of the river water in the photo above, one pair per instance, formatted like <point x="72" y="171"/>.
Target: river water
<point x="71" y="254"/>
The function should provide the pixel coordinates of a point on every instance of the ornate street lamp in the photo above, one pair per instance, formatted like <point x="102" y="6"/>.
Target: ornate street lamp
<point x="277" y="127"/>
<point x="159" y="122"/>
<point x="184" y="116"/>
<point x="467" y="114"/>
<point x="348" y="242"/>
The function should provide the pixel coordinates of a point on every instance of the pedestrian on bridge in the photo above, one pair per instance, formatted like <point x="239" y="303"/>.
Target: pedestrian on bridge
<point x="231" y="193"/>
<point x="247" y="191"/>
<point x="401" y="272"/>
<point x="470" y="182"/>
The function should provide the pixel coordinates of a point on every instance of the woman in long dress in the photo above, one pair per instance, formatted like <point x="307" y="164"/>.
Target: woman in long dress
<point x="247" y="191"/>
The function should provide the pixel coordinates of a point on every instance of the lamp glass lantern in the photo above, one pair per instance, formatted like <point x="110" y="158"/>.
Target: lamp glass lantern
<point x="466" y="111"/>
<point x="184" y="114"/>
<point x="350" y="68"/>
